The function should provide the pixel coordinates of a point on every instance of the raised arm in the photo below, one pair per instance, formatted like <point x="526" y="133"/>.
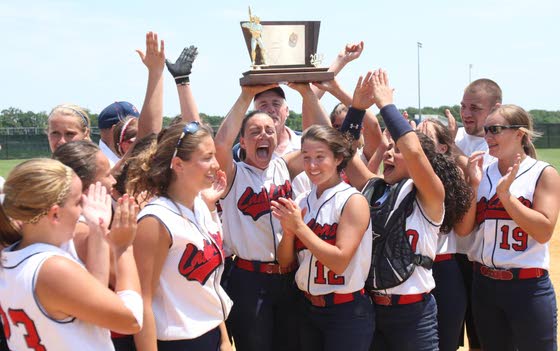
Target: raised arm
<point x="151" y="116"/>
<point x="430" y="189"/>
<point x="371" y="130"/>
<point x="181" y="70"/>
<point x="347" y="55"/>
<point x="311" y="110"/>
<point x="86" y="298"/>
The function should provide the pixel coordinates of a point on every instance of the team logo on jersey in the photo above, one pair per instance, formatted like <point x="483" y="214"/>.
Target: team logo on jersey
<point x="256" y="205"/>
<point x="197" y="265"/>
<point x="493" y="208"/>
<point x="327" y="232"/>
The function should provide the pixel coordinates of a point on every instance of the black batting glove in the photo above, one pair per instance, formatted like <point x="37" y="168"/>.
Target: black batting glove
<point x="181" y="69"/>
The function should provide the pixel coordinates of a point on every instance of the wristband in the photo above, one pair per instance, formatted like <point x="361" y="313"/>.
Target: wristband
<point x="397" y="125"/>
<point x="133" y="301"/>
<point x="183" y="80"/>
<point x="353" y="122"/>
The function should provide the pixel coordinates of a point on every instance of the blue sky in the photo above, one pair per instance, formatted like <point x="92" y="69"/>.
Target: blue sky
<point x="83" y="51"/>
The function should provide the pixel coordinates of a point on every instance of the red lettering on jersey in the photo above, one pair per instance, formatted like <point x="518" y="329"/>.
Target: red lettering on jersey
<point x="197" y="265"/>
<point x="327" y="232"/>
<point x="413" y="238"/>
<point x="256" y="205"/>
<point x="493" y="208"/>
<point x="5" y="323"/>
<point x="32" y="338"/>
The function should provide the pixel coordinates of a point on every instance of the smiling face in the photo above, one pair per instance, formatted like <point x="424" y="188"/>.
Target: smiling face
<point x="64" y="128"/>
<point x="199" y="171"/>
<point x="275" y="105"/>
<point x="320" y="164"/>
<point x="505" y="144"/>
<point x="258" y="140"/>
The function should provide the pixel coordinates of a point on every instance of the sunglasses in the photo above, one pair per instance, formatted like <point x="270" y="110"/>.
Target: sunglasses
<point x="190" y="128"/>
<point x="498" y="129"/>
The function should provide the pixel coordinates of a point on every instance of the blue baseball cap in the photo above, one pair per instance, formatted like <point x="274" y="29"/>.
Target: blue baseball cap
<point x="116" y="112"/>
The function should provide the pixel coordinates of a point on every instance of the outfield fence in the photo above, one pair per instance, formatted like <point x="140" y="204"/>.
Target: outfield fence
<point x="23" y="143"/>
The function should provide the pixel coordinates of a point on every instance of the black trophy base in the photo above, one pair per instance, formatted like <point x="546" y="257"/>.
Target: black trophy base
<point x="265" y="76"/>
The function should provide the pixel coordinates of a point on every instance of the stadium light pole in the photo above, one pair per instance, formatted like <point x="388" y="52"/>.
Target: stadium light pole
<point x="470" y="69"/>
<point x="419" y="46"/>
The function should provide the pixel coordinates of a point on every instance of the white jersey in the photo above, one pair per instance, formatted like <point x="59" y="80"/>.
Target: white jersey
<point x="293" y="145"/>
<point x="322" y="216"/>
<point x="111" y="156"/>
<point x="468" y="144"/>
<point x="447" y="243"/>
<point x="422" y="233"/>
<point x="499" y="241"/>
<point x="250" y="230"/>
<point x="189" y="300"/>
<point x="29" y="326"/>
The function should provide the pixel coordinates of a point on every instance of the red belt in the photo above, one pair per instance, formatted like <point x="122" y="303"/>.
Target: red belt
<point x="444" y="257"/>
<point x="264" y="267"/>
<point x="510" y="274"/>
<point x="332" y="298"/>
<point x="391" y="300"/>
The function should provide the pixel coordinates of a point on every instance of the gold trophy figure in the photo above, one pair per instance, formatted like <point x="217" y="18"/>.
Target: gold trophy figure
<point x="255" y="28"/>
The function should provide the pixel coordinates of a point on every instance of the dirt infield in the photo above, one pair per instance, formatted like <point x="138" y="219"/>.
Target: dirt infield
<point x="554" y="267"/>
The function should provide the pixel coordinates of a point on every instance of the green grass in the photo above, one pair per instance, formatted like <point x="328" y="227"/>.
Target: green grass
<point x="7" y="165"/>
<point x="551" y="156"/>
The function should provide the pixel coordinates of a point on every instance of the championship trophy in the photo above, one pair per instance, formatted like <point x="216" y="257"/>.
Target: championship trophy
<point x="282" y="52"/>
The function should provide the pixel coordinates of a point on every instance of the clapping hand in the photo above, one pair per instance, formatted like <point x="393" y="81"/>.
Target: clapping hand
<point x="96" y="206"/>
<point x="155" y="55"/>
<point x="123" y="229"/>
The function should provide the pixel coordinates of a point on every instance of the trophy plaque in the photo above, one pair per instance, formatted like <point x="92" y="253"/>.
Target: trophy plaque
<point x="282" y="52"/>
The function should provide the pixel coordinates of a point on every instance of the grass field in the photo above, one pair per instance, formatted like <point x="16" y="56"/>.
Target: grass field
<point x="551" y="156"/>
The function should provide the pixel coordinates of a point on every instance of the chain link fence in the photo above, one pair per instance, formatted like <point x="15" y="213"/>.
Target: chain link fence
<point x="24" y="143"/>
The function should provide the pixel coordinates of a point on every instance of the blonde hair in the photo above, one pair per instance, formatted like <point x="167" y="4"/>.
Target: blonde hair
<point x="31" y="189"/>
<point x="515" y="115"/>
<point x="73" y="111"/>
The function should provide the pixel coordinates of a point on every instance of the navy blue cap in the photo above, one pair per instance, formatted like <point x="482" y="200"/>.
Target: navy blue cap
<point x="116" y="112"/>
<point x="279" y="91"/>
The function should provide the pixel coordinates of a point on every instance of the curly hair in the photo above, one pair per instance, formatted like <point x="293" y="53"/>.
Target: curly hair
<point x="458" y="194"/>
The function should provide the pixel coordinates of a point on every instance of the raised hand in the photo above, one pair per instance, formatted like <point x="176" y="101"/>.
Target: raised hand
<point x="350" y="52"/>
<point x="451" y="123"/>
<point x="363" y="93"/>
<point x="154" y="58"/>
<point x="505" y="182"/>
<point x="96" y="206"/>
<point x="328" y="85"/>
<point x="382" y="92"/>
<point x="181" y="69"/>
<point x="473" y="174"/>
<point x="212" y="194"/>
<point x="252" y="90"/>
<point x="123" y="229"/>
<point x="301" y="88"/>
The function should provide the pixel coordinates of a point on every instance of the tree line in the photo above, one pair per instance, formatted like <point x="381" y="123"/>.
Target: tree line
<point x="14" y="117"/>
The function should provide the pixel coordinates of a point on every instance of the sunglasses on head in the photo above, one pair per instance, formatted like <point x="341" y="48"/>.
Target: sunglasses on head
<point x="497" y="129"/>
<point x="190" y="128"/>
